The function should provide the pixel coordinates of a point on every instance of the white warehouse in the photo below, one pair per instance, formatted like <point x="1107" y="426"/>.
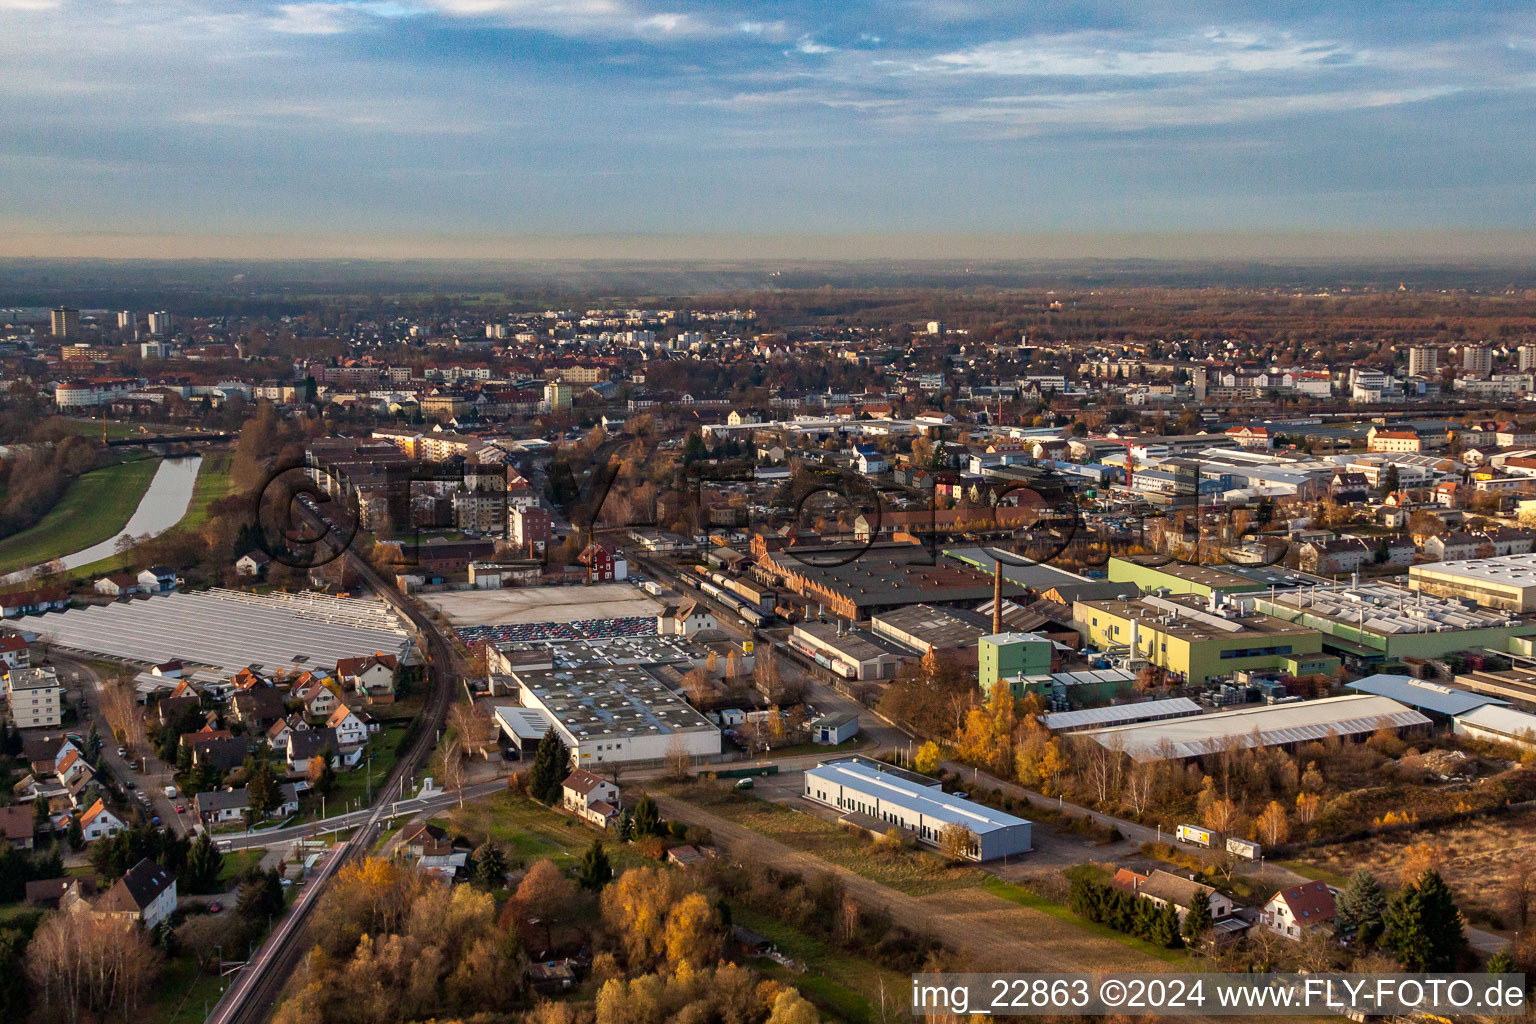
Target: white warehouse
<point x="617" y="713"/>
<point x="869" y="790"/>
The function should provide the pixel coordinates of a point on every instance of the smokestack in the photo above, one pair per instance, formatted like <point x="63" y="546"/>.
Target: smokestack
<point x="997" y="597"/>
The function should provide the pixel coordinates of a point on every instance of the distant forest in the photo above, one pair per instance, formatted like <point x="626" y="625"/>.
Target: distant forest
<point x="283" y="287"/>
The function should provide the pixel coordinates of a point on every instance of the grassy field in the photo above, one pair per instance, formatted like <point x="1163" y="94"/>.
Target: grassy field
<point x="529" y="831"/>
<point x="1026" y="898"/>
<point x="237" y="863"/>
<point x="352" y="786"/>
<point x="95" y="506"/>
<point x="213" y="483"/>
<point x="913" y="873"/>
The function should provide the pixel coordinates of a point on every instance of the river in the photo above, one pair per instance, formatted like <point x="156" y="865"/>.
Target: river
<point x="165" y="501"/>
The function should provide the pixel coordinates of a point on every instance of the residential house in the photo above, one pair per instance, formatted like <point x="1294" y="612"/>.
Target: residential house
<point x="1507" y="540"/>
<point x="157" y="579"/>
<point x="429" y="845"/>
<point x="602" y="565"/>
<point x="257" y="708"/>
<point x="373" y="676"/>
<point x="1328" y="558"/>
<point x="590" y="797"/>
<point x="219" y="806"/>
<point x="1451" y="547"/>
<point x="100" y="823"/>
<point x="14" y="652"/>
<point x="119" y="584"/>
<point x="59" y="893"/>
<point x="1349" y="489"/>
<point x="277" y="734"/>
<point x="224" y="754"/>
<point x="18" y="825"/>
<point x="146" y="895"/>
<point x="1299" y="910"/>
<point x="306" y="744"/>
<point x="253" y="563"/>
<point x="870" y="461"/>
<point x="685" y="619"/>
<point x="33" y="602"/>
<point x="1163" y="888"/>
<point x="318" y="695"/>
<point x="350" y="728"/>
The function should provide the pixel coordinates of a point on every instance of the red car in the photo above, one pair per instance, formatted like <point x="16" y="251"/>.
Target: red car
<point x="181" y="808"/>
<point x="215" y="908"/>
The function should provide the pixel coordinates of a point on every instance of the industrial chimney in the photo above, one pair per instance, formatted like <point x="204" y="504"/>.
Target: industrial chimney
<point x="997" y="597"/>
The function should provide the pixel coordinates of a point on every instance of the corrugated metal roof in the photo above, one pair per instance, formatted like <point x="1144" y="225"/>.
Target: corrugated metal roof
<point x="929" y="801"/>
<point x="1416" y="693"/>
<point x="1506" y="721"/>
<point x="1268" y="726"/>
<point x="1119" y="713"/>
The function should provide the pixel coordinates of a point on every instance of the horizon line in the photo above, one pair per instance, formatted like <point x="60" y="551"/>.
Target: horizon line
<point x="1499" y="246"/>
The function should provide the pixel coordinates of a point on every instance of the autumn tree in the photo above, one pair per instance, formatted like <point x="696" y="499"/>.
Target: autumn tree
<point x="693" y="934"/>
<point x="1274" y="826"/>
<point x="927" y="758"/>
<point x="956" y="842"/>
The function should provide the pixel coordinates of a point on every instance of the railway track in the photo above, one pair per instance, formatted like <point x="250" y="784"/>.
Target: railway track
<point x="254" y="993"/>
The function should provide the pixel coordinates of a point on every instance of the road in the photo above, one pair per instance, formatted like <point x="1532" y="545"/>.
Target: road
<point x="439" y="800"/>
<point x="155" y="774"/>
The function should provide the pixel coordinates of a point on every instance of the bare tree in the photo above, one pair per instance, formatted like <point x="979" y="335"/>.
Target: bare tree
<point x="1138" y="787"/>
<point x="84" y="964"/>
<point x="122" y="713"/>
<point x="454" y="768"/>
<point x="474" y="727"/>
<point x="678" y="761"/>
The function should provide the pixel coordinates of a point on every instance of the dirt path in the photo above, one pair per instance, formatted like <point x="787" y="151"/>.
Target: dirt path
<point x="993" y="934"/>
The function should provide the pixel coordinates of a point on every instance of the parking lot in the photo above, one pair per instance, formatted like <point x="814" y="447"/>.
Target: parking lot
<point x="521" y="605"/>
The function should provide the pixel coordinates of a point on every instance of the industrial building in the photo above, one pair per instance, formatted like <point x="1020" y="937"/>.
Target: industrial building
<point x="1016" y="658"/>
<point x="227" y="630"/>
<point x="873" y="583"/>
<point x="1199" y="580"/>
<point x="1498" y="724"/>
<point x="925" y="629"/>
<point x="1273" y="725"/>
<point x="521" y="728"/>
<point x="1083" y="686"/>
<point x="1440" y="703"/>
<point x="1120" y="714"/>
<point x="1197" y="641"/>
<point x="848" y="651"/>
<point x="1040" y="578"/>
<point x="1369" y="623"/>
<point x="617" y="714"/>
<point x="879" y="798"/>
<point x="1507" y="583"/>
<point x="1516" y="685"/>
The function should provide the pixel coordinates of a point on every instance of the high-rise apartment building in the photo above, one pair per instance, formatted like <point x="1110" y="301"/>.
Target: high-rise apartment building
<point x="126" y="321"/>
<point x="1423" y="361"/>
<point x="66" y="322"/>
<point x="1527" y="357"/>
<point x="160" y="323"/>
<point x="1477" y="360"/>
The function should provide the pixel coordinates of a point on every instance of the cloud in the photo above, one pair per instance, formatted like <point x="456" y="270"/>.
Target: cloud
<point x="28" y="5"/>
<point x="1119" y="55"/>
<point x="805" y="44"/>
<point x="316" y="19"/>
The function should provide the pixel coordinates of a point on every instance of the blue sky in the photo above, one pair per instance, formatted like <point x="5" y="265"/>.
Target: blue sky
<point x="635" y="126"/>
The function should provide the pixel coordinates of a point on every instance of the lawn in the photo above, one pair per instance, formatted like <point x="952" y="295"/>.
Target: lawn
<point x="186" y="994"/>
<point x="95" y="506"/>
<point x="1027" y="898"/>
<point x="237" y="863"/>
<point x="908" y="871"/>
<point x="213" y="483"/>
<point x="351" y="789"/>
<point x="529" y="831"/>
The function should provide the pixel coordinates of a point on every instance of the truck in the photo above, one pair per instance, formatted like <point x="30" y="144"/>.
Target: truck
<point x="1194" y="835"/>
<point x="1244" y="848"/>
<point x="170" y="792"/>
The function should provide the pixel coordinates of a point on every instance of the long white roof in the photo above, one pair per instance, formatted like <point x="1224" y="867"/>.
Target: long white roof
<point x="1517" y="725"/>
<point x="929" y="801"/>
<point x="1169" y="708"/>
<point x="1267" y="726"/>
<point x="227" y="630"/>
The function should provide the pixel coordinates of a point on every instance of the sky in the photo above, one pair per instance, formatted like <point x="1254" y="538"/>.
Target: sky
<point x="672" y="127"/>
